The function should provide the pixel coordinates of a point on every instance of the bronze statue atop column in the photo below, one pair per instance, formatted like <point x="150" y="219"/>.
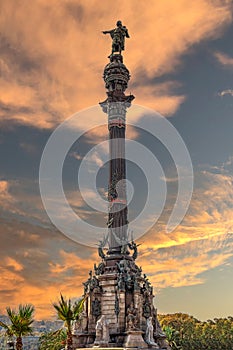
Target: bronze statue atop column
<point x="118" y="35"/>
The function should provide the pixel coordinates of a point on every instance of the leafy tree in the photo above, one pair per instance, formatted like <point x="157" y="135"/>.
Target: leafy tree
<point x="171" y="335"/>
<point x="53" y="340"/>
<point x="20" y="323"/>
<point x="68" y="312"/>
<point x="192" y="334"/>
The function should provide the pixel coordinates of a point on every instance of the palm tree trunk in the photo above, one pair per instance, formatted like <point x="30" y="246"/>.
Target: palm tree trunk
<point x="69" y="341"/>
<point x="19" y="343"/>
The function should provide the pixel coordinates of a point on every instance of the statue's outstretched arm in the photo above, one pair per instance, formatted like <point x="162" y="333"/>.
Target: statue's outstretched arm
<point x="111" y="32"/>
<point x="107" y="31"/>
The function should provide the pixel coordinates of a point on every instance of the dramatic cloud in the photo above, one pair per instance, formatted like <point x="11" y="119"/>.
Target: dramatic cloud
<point x="182" y="265"/>
<point x="49" y="64"/>
<point x="45" y="262"/>
<point x="202" y="242"/>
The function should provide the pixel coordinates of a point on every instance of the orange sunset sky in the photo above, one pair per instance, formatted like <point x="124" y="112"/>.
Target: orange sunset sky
<point x="180" y="56"/>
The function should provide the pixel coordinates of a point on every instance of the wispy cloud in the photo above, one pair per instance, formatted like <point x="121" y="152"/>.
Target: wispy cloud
<point x="226" y="92"/>
<point x="20" y="200"/>
<point x="183" y="265"/>
<point x="202" y="242"/>
<point x="6" y="197"/>
<point x="224" y="59"/>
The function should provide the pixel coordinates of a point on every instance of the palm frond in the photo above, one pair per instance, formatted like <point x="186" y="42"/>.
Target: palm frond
<point x="78" y="307"/>
<point x="8" y="329"/>
<point x="68" y="312"/>
<point x="21" y="320"/>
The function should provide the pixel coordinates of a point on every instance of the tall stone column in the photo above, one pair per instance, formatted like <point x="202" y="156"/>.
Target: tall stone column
<point x="116" y="77"/>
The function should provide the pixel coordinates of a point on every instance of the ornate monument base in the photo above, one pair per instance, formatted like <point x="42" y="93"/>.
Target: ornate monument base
<point x="134" y="340"/>
<point x="118" y="311"/>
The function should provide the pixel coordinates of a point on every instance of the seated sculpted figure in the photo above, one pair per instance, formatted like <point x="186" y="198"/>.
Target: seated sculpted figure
<point x="132" y="319"/>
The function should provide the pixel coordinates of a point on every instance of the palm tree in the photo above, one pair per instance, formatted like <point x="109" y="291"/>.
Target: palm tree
<point x="68" y="313"/>
<point x="21" y="321"/>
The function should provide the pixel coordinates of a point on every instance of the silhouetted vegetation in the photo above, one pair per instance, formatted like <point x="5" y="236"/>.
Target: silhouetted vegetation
<point x="186" y="332"/>
<point x="53" y="340"/>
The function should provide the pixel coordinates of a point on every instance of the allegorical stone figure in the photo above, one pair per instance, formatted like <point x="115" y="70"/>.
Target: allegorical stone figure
<point x="102" y="331"/>
<point x="132" y="319"/>
<point x="118" y="37"/>
<point x="79" y="325"/>
<point x="149" y="338"/>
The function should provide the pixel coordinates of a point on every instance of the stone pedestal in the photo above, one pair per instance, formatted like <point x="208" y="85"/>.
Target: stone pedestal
<point x="101" y="345"/>
<point x="134" y="340"/>
<point x="79" y="341"/>
<point x="108" y="285"/>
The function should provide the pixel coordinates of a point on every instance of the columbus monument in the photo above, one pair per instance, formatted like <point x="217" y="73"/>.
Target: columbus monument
<point x="119" y="310"/>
